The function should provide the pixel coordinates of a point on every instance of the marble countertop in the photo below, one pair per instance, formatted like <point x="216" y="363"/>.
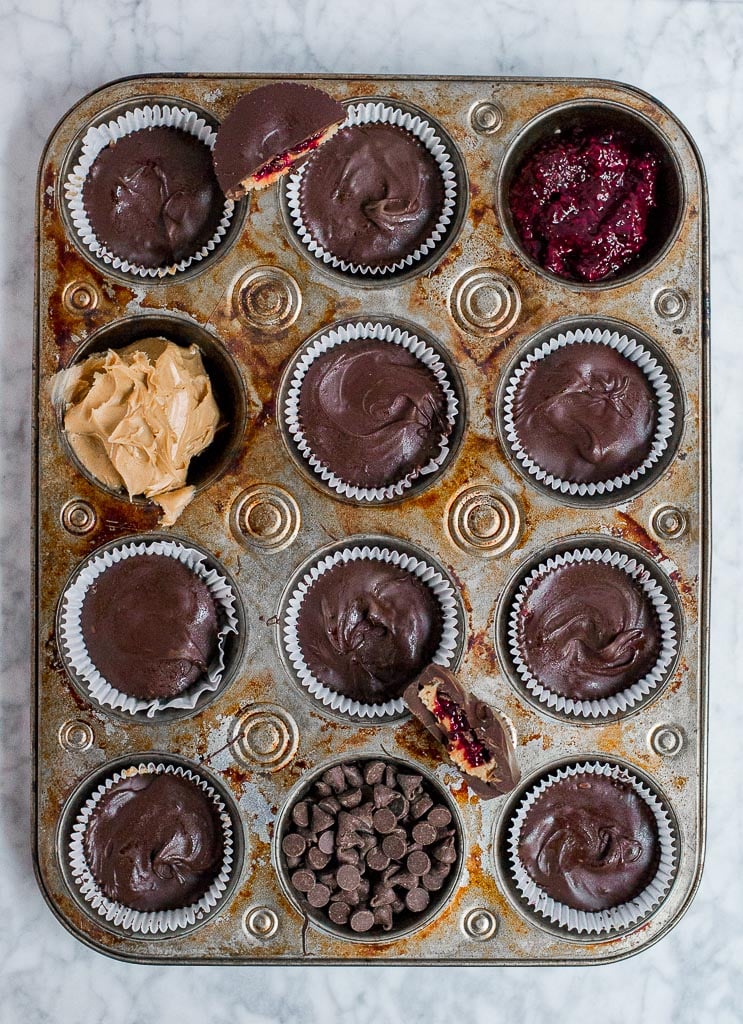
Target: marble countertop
<point x="685" y="52"/>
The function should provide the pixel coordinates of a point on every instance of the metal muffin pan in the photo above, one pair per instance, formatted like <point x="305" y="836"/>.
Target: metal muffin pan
<point x="250" y="306"/>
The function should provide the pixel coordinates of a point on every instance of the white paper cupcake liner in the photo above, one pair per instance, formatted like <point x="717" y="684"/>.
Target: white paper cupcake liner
<point x="434" y="579"/>
<point x="370" y="113"/>
<point x="393" y="336"/>
<point x="632" y="695"/>
<point x="631" y="349"/>
<point x="76" y="653"/>
<point x="96" y="139"/>
<point x="595" y="922"/>
<point x="149" y="922"/>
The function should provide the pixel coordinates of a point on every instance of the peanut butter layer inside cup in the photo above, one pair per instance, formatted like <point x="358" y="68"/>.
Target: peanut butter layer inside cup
<point x="136" y="416"/>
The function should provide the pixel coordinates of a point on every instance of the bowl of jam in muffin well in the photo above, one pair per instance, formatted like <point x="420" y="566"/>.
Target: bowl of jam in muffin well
<point x="590" y="194"/>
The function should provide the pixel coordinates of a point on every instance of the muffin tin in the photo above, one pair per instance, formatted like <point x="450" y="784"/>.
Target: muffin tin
<point x="249" y="306"/>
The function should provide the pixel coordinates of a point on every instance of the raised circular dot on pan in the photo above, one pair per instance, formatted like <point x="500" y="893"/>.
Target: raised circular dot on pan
<point x="666" y="740"/>
<point x="484" y="301"/>
<point x="479" y="924"/>
<point x="78" y="517"/>
<point x="409" y="924"/>
<point x="265" y="517"/>
<point x="486" y="117"/>
<point x="483" y="520"/>
<point x="260" y="923"/>
<point x="267" y="298"/>
<point x="264" y="737"/>
<point x="670" y="303"/>
<point x="80" y="297"/>
<point x="668" y="522"/>
<point x="76" y="736"/>
<point x="590" y="114"/>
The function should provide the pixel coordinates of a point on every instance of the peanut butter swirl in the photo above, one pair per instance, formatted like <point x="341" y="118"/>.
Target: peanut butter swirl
<point x="135" y="417"/>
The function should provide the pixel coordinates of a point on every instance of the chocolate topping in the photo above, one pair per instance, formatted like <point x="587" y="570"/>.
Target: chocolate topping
<point x="581" y="203"/>
<point x="268" y="124"/>
<point x="378" y="862"/>
<point x="476" y="739"/>
<point x="585" y="413"/>
<point x="150" y="626"/>
<point x="152" y="198"/>
<point x="372" y="195"/>
<point x="154" y="842"/>
<point x="591" y="842"/>
<point x="588" y="630"/>
<point x="367" y="627"/>
<point x="372" y="412"/>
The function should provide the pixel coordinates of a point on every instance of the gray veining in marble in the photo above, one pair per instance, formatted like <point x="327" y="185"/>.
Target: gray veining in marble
<point x="689" y="53"/>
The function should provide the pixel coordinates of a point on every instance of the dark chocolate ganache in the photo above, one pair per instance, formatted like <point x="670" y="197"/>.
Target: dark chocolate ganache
<point x="585" y="413"/>
<point x="366" y="628"/>
<point x="152" y="198"/>
<point x="154" y="842"/>
<point x="372" y="194"/>
<point x="372" y="412"/>
<point x="581" y="203"/>
<point x="150" y="626"/>
<point x="590" y="842"/>
<point x="587" y="630"/>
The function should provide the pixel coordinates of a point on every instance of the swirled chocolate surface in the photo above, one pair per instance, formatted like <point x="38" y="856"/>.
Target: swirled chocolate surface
<point x="154" y="842"/>
<point x="152" y="198"/>
<point x="585" y="413"/>
<point x="590" y="842"/>
<point x="587" y="630"/>
<point x="372" y="412"/>
<point x="366" y="628"/>
<point x="581" y="203"/>
<point x="150" y="626"/>
<point x="372" y="194"/>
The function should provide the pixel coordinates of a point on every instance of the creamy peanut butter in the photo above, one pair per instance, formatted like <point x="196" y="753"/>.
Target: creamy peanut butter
<point x="136" y="416"/>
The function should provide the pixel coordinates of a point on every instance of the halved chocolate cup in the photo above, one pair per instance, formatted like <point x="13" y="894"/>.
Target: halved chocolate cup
<point x="268" y="130"/>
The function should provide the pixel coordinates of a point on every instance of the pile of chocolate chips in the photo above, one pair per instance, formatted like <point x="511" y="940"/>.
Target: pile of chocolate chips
<point x="370" y="846"/>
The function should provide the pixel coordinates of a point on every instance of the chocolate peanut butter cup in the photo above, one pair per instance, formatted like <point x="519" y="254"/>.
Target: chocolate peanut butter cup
<point x="371" y="409"/>
<point x="145" y="627"/>
<point x="369" y="849"/>
<point x="591" y="633"/>
<point x="361" y="622"/>
<point x="591" y="848"/>
<point x="152" y="848"/>
<point x="379" y="196"/>
<point x="143" y="197"/>
<point x="588" y="412"/>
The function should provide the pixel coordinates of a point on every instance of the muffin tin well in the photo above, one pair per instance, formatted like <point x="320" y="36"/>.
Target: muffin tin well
<point x="481" y="520"/>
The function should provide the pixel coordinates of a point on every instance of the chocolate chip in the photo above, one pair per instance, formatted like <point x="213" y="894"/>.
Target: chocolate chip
<point x="293" y="845"/>
<point x="335" y="778"/>
<point x="445" y="851"/>
<point x="418" y="863"/>
<point x="435" y="879"/>
<point x="417" y="900"/>
<point x="323" y="789"/>
<point x="399" y="806"/>
<point x="440" y="817"/>
<point x="383" y="918"/>
<point x="320" y="820"/>
<point x="373" y="772"/>
<point x="317" y="859"/>
<point x="384" y="821"/>
<point x="383" y="795"/>
<point x="405" y="880"/>
<point x="424" y="833"/>
<point x="326" y="842"/>
<point x="293" y="862"/>
<point x="303" y="881"/>
<point x="409" y="784"/>
<point x="301" y="814"/>
<point x="330" y="805"/>
<point x="339" y="913"/>
<point x="348" y="877"/>
<point x="319" y="896"/>
<point x="421" y="806"/>
<point x="351" y="798"/>
<point x="394" y="847"/>
<point x="348" y="856"/>
<point x="327" y="878"/>
<point x="390" y="776"/>
<point x="353" y="775"/>
<point x="383" y="897"/>
<point x="377" y="859"/>
<point x="362" y="920"/>
<point x="398" y="906"/>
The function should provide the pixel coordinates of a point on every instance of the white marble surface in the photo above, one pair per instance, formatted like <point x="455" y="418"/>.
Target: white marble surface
<point x="686" y="52"/>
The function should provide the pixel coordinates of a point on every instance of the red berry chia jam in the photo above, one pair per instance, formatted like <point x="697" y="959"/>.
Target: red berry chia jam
<point x="461" y="736"/>
<point x="284" y="160"/>
<point x="581" y="202"/>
